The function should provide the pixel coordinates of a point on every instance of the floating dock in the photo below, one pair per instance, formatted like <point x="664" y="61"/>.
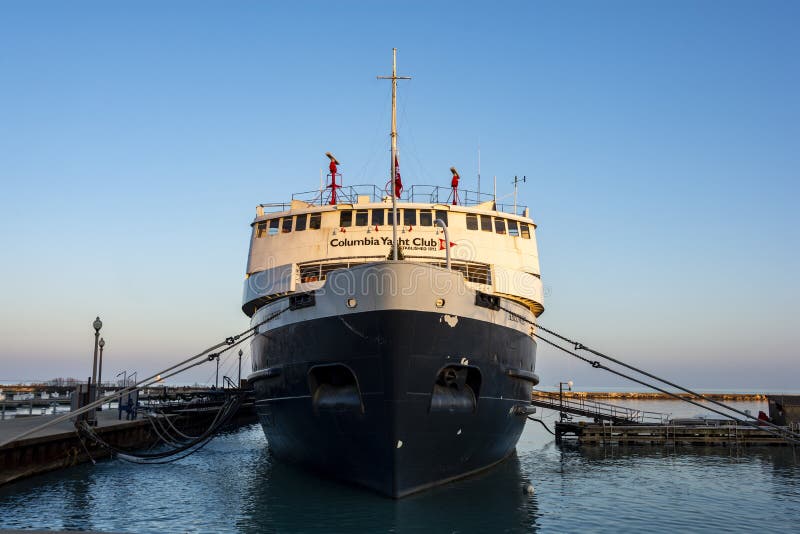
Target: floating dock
<point x="711" y="433"/>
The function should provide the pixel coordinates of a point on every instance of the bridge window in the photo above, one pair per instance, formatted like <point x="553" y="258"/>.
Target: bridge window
<point x="410" y="217"/>
<point x="486" y="223"/>
<point x="261" y="229"/>
<point x="287" y="225"/>
<point x="362" y="217"/>
<point x="346" y="219"/>
<point x="513" y="228"/>
<point x="377" y="217"/>
<point x="524" y="231"/>
<point x="300" y="223"/>
<point x="273" y="226"/>
<point x="425" y="218"/>
<point x="442" y="214"/>
<point x="499" y="225"/>
<point x="472" y="221"/>
<point x="315" y="222"/>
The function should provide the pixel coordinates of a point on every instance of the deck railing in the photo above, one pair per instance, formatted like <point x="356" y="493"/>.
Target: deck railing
<point x="423" y="194"/>
<point x="478" y="273"/>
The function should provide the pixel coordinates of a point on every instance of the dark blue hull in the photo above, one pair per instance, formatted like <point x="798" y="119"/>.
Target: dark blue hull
<point x="396" y="401"/>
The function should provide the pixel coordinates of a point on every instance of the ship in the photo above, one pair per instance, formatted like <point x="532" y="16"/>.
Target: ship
<point x="393" y="344"/>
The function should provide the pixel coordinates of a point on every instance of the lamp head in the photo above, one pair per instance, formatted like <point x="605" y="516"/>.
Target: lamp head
<point x="570" y="385"/>
<point x="97" y="324"/>
<point x="102" y="343"/>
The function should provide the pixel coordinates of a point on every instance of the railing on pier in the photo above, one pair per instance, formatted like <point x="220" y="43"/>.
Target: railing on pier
<point x="423" y="194"/>
<point x="597" y="410"/>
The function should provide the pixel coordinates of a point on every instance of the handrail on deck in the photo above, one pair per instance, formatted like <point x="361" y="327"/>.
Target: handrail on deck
<point x="423" y="194"/>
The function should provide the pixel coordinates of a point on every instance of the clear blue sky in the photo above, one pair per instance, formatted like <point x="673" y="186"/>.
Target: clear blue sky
<point x="661" y="141"/>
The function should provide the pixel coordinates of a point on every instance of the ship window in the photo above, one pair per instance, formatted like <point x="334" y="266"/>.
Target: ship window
<point x="442" y="214"/>
<point x="524" y="231"/>
<point x="472" y="221"/>
<point x="410" y="217"/>
<point x="513" y="228"/>
<point x="425" y="218"/>
<point x="273" y="226"/>
<point x="377" y="217"/>
<point x="261" y="229"/>
<point x="362" y="218"/>
<point x="500" y="225"/>
<point x="315" y="222"/>
<point x="345" y="219"/>
<point x="300" y="223"/>
<point x="390" y="217"/>
<point x="287" y="225"/>
<point x="486" y="223"/>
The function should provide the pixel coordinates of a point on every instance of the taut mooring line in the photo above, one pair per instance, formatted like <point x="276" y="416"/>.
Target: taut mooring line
<point x="767" y="426"/>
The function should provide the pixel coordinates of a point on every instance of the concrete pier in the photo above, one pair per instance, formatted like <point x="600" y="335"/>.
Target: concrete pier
<point x="60" y="445"/>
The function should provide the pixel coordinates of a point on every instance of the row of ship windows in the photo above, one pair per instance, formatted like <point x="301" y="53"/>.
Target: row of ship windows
<point x="381" y="217"/>
<point x="500" y="226"/>
<point x="283" y="225"/>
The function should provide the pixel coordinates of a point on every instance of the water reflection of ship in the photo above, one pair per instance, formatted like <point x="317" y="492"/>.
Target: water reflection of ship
<point x="286" y="498"/>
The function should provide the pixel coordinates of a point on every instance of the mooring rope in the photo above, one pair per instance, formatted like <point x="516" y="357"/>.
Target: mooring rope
<point x="766" y="426"/>
<point x="228" y="343"/>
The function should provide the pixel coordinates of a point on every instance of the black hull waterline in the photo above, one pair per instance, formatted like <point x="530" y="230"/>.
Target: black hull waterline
<point x="393" y="400"/>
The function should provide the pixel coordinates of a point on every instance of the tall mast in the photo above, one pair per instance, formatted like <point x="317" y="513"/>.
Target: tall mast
<point x="394" y="77"/>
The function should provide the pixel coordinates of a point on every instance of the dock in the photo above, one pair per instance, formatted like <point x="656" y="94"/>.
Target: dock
<point x="724" y="433"/>
<point x="614" y="424"/>
<point x="61" y="446"/>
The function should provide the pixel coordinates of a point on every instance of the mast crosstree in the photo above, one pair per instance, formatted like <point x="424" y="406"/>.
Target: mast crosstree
<point x="394" y="77"/>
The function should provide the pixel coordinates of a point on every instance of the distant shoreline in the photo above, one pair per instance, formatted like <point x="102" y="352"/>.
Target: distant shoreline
<point x="661" y="396"/>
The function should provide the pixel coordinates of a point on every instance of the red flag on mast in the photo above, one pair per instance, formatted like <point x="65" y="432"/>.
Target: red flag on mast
<point x="398" y="184"/>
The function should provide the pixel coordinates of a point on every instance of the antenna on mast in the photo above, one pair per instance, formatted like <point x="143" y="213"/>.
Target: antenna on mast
<point x="479" y="171"/>
<point x="394" y="77"/>
<point x="515" y="182"/>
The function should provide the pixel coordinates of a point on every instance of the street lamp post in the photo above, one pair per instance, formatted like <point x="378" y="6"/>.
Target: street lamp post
<point x="101" y="344"/>
<point x="97" y="324"/>
<point x="216" y="380"/>
<point x="240" y="369"/>
<point x="561" y="397"/>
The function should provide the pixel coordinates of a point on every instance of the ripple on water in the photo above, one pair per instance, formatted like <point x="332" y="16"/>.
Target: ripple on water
<point x="234" y="485"/>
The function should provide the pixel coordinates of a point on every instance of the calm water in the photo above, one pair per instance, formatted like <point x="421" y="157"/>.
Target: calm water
<point x="233" y="485"/>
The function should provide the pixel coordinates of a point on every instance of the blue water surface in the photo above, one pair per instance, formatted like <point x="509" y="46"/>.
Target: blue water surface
<point x="234" y="485"/>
